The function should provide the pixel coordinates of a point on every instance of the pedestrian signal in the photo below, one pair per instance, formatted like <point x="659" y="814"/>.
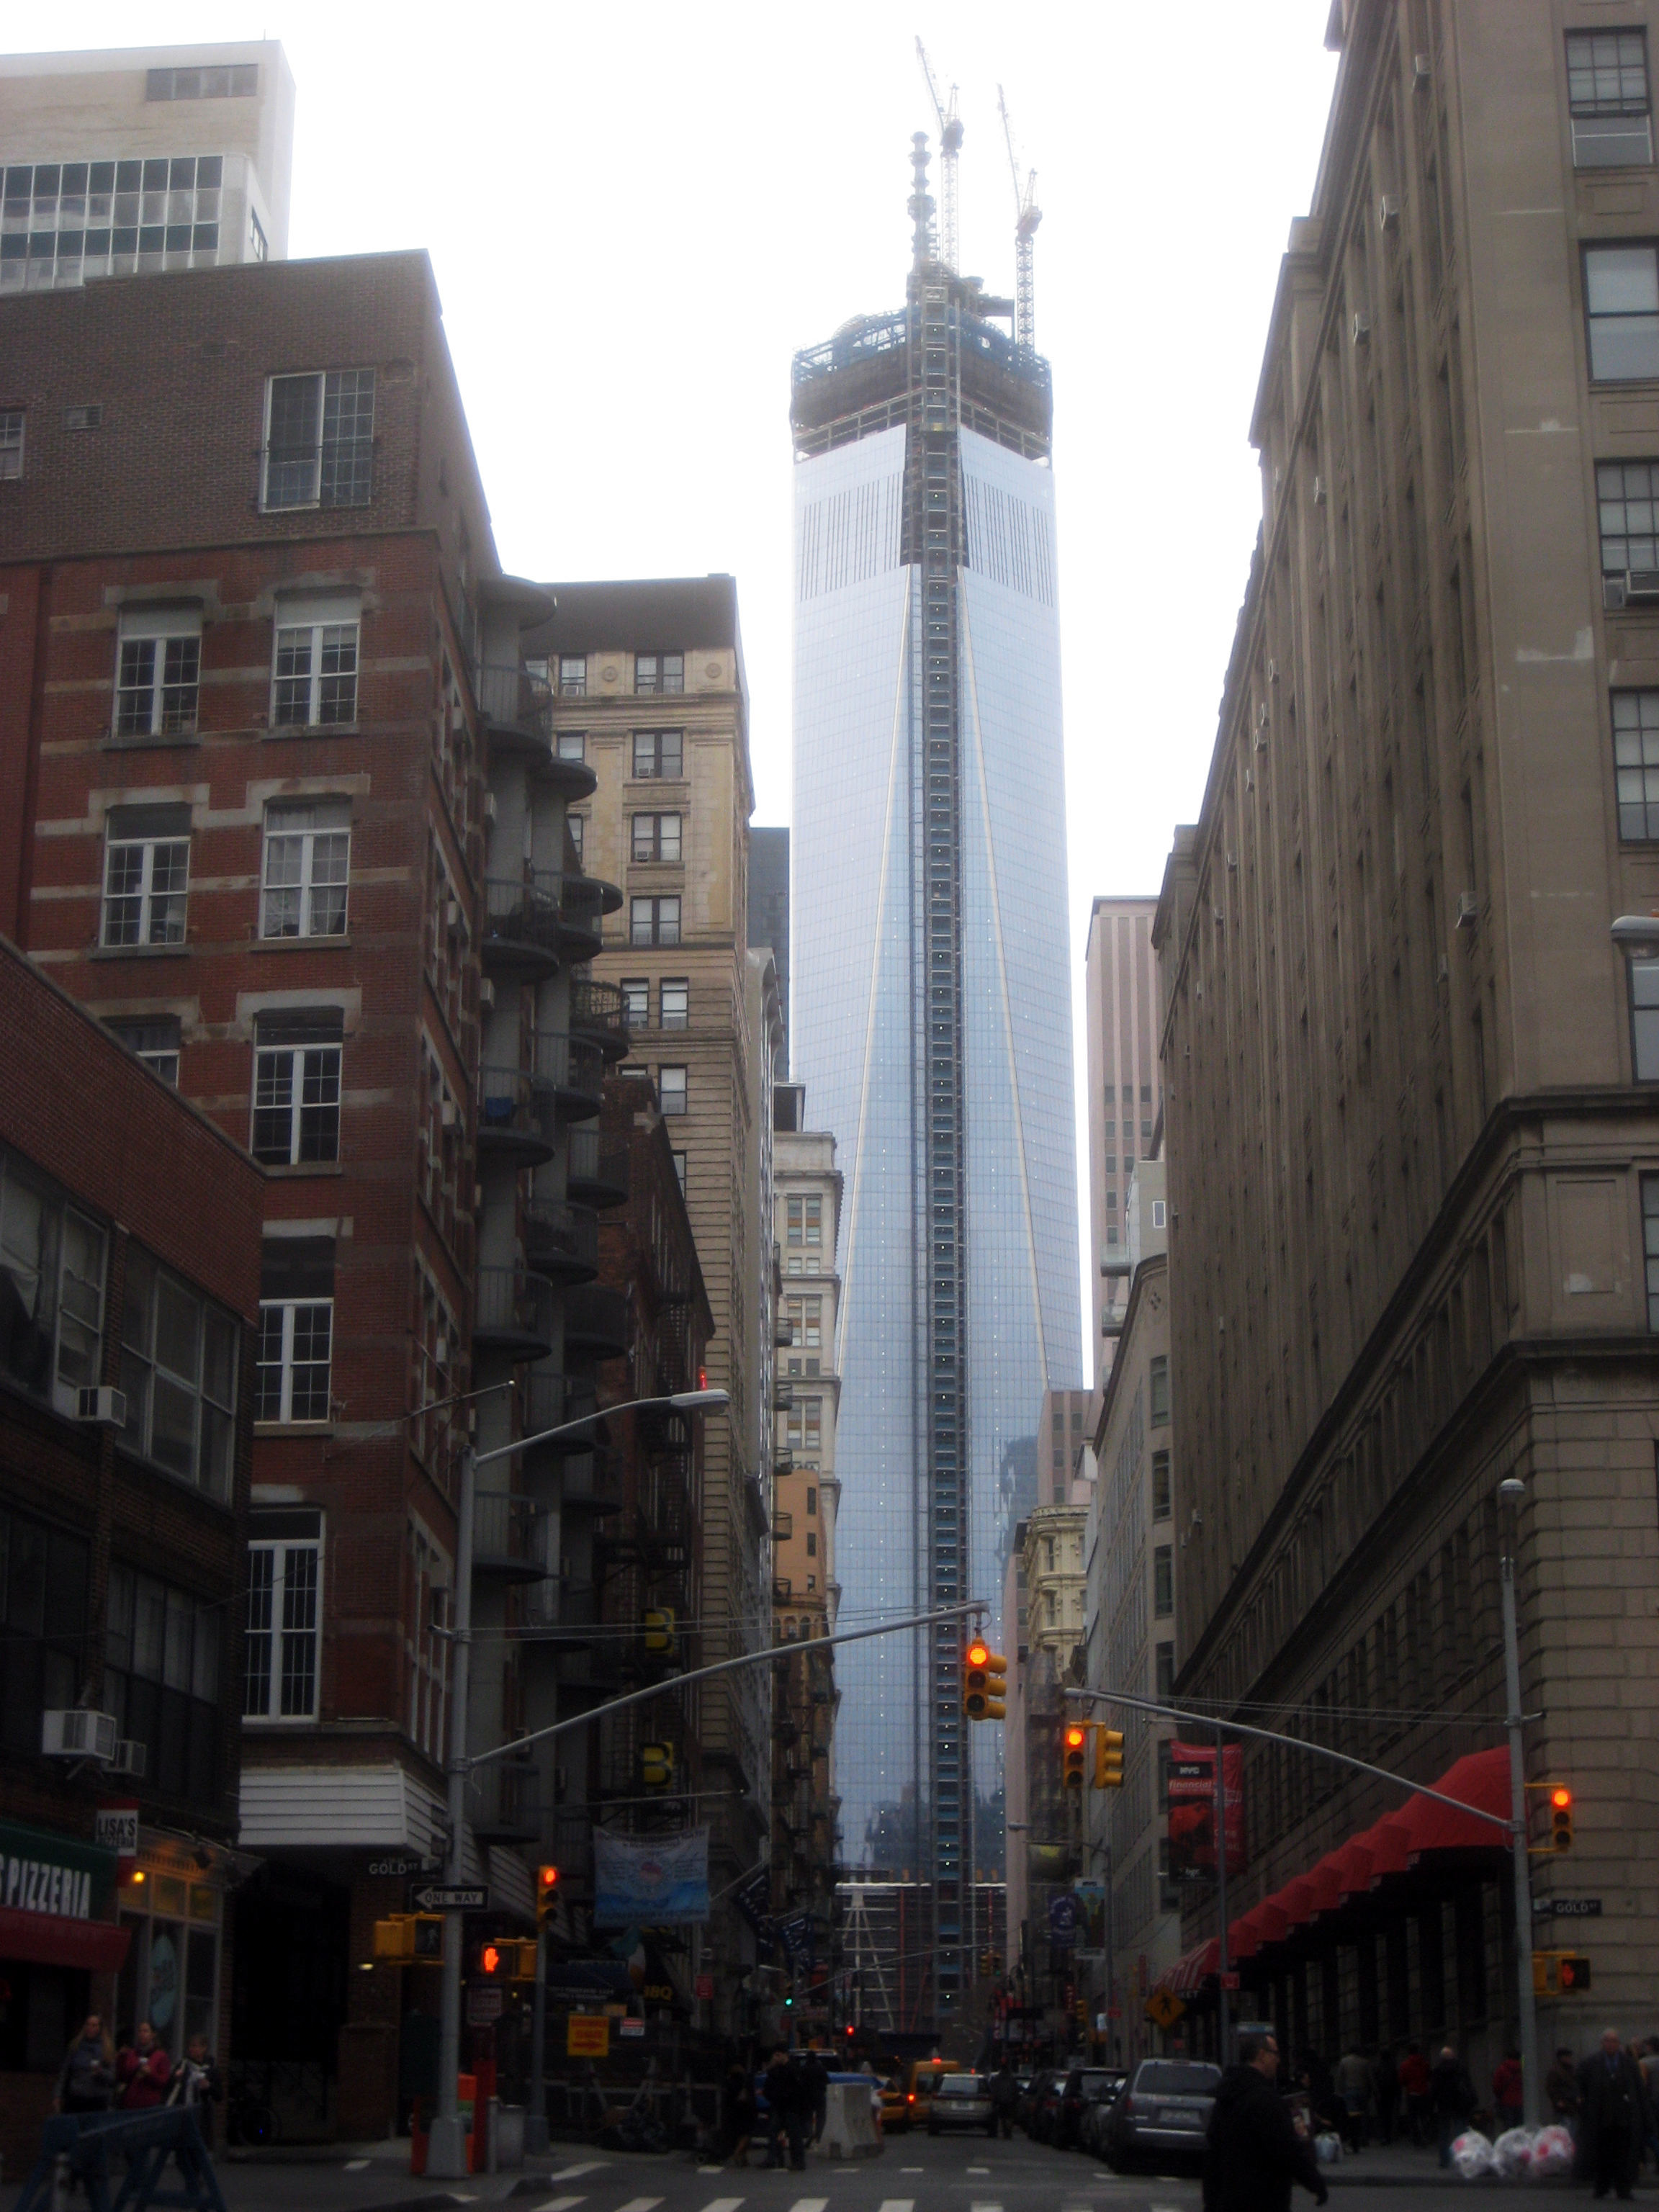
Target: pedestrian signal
<point x="1109" y="1758"/>
<point x="488" y="1958"/>
<point x="520" y="1958"/>
<point x="1572" y="1975"/>
<point x="410" y="1936"/>
<point x="547" y="1890"/>
<point x="1076" y="1741"/>
<point x="1561" y="1819"/>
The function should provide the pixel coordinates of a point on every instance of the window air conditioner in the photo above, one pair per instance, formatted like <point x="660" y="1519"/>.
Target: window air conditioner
<point x="489" y="806"/>
<point x="77" y="1733"/>
<point x="486" y="993"/>
<point x="452" y="916"/>
<point x="449" y="1113"/>
<point x="103" y="1404"/>
<point x="1468" y="911"/>
<point x="1319" y="491"/>
<point x="1387" y="212"/>
<point x="1362" y="328"/>
<point x="440" y="1353"/>
<point x="1420" y="72"/>
<point x="1642" y="584"/>
<point x="131" y="1758"/>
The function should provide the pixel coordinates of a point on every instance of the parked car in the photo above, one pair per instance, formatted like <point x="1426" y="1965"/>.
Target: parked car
<point x="962" y="2101"/>
<point x="1080" y="2088"/>
<point x="1159" y="2122"/>
<point x="1030" y="2095"/>
<point x="1101" y="2088"/>
<point x="1045" y="2108"/>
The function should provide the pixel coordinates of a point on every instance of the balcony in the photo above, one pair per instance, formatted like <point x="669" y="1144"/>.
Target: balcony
<point x="597" y="1011"/>
<point x="783" y="1526"/>
<point x="512" y="1312"/>
<point x="515" y="1118"/>
<point x="583" y="905"/>
<point x="781" y="1587"/>
<point x="504" y="1538"/>
<point x="562" y="1241"/>
<point x="520" y="713"/>
<point x="524" y="932"/>
<point x="590" y="1486"/>
<point x="571" y="1069"/>
<point x="504" y="1802"/>
<point x="597" y="1171"/>
<point x="551" y="1400"/>
<point x="595" y="1321"/>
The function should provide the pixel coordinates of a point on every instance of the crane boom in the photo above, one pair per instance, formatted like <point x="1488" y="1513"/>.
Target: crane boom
<point x="950" y="145"/>
<point x="1027" y="216"/>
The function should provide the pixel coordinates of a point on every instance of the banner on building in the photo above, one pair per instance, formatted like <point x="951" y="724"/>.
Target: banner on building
<point x="800" y="1940"/>
<point x="1062" y="1920"/>
<point x="1191" y="1810"/>
<point x="650" y="1881"/>
<point x="1090" y="1915"/>
<point x="751" y="1896"/>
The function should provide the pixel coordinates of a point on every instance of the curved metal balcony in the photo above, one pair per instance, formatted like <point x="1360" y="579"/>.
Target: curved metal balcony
<point x="551" y="1399"/>
<point x="597" y="1169"/>
<point x="512" y="1312"/>
<point x="591" y="1485"/>
<point x="597" y="1011"/>
<point x="583" y="902"/>
<point x="571" y="1070"/>
<point x="596" y="1321"/>
<point x="504" y="1538"/>
<point x="516" y="1116"/>
<point x="518" y="712"/>
<point x="562" y="1241"/>
<point x="524" y="932"/>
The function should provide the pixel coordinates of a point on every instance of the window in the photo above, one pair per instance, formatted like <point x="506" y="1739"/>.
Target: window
<point x="1162" y="1580"/>
<point x="314" y="677"/>
<point x="577" y="825"/>
<point x="44" y="1573"/>
<point x="11" y="444"/>
<point x="676" y="1002"/>
<point x="1159" y="1390"/>
<point x="811" y="1543"/>
<point x="659" y="671"/>
<point x="296" y="1328"/>
<point x="1160" y="1212"/>
<point x="573" y="744"/>
<point x="812" y="1499"/>
<point x="804" y="1221"/>
<point x="671" y="1090"/>
<point x="68" y="223"/>
<point x="1636" y="762"/>
<point x="573" y="685"/>
<point x="51" y="1287"/>
<point x="1651" y="1244"/>
<point x="178" y="1358"/>
<point x="1645" y="1019"/>
<point x="679" y="1171"/>
<point x="307" y="858"/>
<point x="637" y="1003"/>
<point x="658" y="753"/>
<point x="1163" y="1490"/>
<point x="296" y="1087"/>
<point x="154" y="1040"/>
<point x="1625" y="493"/>
<point x="284" y="1616"/>
<point x="258" y="246"/>
<point x="1608" y="95"/>
<point x="158" y="672"/>
<point x="654" y="921"/>
<point x="239" y="81"/>
<point x="656" y="836"/>
<point x="1622" y="299"/>
<point x="319" y="439"/>
<point x="146" y="875"/>
<point x="161" y="1680"/>
<point x="1163" y="1664"/>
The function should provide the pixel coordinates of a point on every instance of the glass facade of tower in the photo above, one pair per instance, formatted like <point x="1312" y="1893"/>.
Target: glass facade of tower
<point x="880" y="799"/>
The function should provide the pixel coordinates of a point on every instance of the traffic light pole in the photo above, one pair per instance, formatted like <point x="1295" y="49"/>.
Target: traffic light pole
<point x="1224" y="1963"/>
<point x="535" y="2118"/>
<point x="446" y="2150"/>
<point x="1510" y="1494"/>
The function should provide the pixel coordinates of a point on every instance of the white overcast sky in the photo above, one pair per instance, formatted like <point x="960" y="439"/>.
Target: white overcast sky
<point x="637" y="212"/>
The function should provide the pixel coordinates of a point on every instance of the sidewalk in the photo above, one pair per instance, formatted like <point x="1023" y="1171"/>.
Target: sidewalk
<point x="1401" y="2166"/>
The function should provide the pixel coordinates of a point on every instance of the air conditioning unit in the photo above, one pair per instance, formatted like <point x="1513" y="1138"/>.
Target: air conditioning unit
<point x="440" y="1353"/>
<point x="489" y="806"/>
<point x="103" y="1404"/>
<point x="1420" y="72"/>
<point x="452" y="916"/>
<point x="1468" y="910"/>
<point x="131" y="1758"/>
<point x="1272" y="671"/>
<point x="1642" y="584"/>
<point x="1232" y="860"/>
<point x="75" y="1732"/>
<point x="486" y="993"/>
<point x="1362" y="328"/>
<point x="1319" y="491"/>
<point x="449" y="1114"/>
<point x="1387" y="212"/>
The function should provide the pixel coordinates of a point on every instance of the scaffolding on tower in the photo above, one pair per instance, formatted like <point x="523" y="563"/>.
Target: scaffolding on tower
<point x="1027" y="216"/>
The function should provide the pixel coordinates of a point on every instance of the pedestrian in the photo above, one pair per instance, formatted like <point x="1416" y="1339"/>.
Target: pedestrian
<point x="85" y="2079"/>
<point x="1561" y="2088"/>
<point x="1506" y="2091"/>
<point x="738" y="2117"/>
<point x="780" y="2093"/>
<point x="1353" y="2082"/>
<point x="1388" y="2093"/>
<point x="1647" y="2064"/>
<point x="1414" y="2081"/>
<point x="815" y="2082"/>
<point x="1614" y="2116"/>
<point x="144" y="2072"/>
<point x="798" y="2112"/>
<point x="202" y="2087"/>
<point x="1004" y="2095"/>
<point x="1253" y="2153"/>
<point x="1454" y="2099"/>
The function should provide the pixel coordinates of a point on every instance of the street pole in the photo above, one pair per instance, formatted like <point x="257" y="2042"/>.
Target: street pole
<point x="535" y="2118"/>
<point x="1511" y="1493"/>
<point x="445" y="2152"/>
<point x="1223" y="2010"/>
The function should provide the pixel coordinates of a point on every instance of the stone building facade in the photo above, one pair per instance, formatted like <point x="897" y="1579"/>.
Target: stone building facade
<point x="1126" y="1085"/>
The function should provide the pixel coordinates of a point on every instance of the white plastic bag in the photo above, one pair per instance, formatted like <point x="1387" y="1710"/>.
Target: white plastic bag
<point x="1552" y="2153"/>
<point x="1513" y="2152"/>
<point x="1328" y="2148"/>
<point x="1472" y="2155"/>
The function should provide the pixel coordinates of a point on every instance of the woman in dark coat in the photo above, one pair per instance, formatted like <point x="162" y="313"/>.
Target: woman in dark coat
<point x="1614" y="2119"/>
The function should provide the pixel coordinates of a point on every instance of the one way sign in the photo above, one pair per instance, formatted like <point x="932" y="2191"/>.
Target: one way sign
<point x="455" y="1897"/>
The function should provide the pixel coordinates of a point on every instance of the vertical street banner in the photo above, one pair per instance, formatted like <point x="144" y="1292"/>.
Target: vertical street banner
<point x="650" y="1881"/>
<point x="1191" y="1810"/>
<point x="1090" y="1915"/>
<point x="1062" y="1921"/>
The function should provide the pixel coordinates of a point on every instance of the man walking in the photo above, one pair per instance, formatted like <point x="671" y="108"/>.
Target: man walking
<point x="780" y="2093"/>
<point x="1453" y="2097"/>
<point x="1388" y="2093"/>
<point x="1253" y="2152"/>
<point x="1354" y="2083"/>
<point x="1561" y="2088"/>
<point x="1004" y="2095"/>
<point x="1615" y="2118"/>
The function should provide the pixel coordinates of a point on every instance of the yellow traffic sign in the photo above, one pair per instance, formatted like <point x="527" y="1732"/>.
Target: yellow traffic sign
<point x="1164" y="2008"/>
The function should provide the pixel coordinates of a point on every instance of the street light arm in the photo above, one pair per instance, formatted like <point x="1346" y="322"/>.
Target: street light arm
<point x="677" y="1401"/>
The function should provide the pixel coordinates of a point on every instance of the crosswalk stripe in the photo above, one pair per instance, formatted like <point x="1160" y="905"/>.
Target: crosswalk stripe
<point x="640" y="2204"/>
<point x="722" y="2204"/>
<point x="561" y="2204"/>
<point x="809" y="2204"/>
<point x="897" y="2204"/>
<point x="588" y="2166"/>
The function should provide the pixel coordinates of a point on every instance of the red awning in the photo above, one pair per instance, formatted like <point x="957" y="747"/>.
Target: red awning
<point x="1327" y="1892"/>
<point x="1482" y="1779"/>
<point x="1296" y="1901"/>
<point x="1193" y="1969"/>
<point x="1353" y="1867"/>
<point x="51" y="1939"/>
<point x="1389" y="1844"/>
<point x="1243" y="1938"/>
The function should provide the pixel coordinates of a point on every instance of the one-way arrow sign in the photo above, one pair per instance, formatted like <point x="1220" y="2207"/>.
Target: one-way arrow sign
<point x="457" y="1896"/>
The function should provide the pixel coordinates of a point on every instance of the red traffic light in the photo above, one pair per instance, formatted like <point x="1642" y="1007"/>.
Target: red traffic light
<point x="1561" y="1799"/>
<point x="851" y="2030"/>
<point x="1075" y="1737"/>
<point x="978" y="1653"/>
<point x="547" y="1878"/>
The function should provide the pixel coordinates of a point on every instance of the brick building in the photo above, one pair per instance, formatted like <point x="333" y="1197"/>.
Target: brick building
<point x="283" y="809"/>
<point x="128" y="1306"/>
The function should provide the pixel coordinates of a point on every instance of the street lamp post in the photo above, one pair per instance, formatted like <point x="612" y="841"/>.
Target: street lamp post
<point x="445" y="2157"/>
<point x="1511" y="1493"/>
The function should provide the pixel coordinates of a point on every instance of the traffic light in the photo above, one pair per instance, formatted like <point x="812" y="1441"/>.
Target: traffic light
<point x="1560" y="1820"/>
<point x="1076" y="1739"/>
<point x="1109" y="1758"/>
<point x="659" y="1638"/>
<point x="547" y="1892"/>
<point x="657" y="1766"/>
<point x="521" y="1958"/>
<point x="996" y="1687"/>
<point x="410" y="1936"/>
<point x="1572" y="1974"/>
<point x="488" y="1958"/>
<point x="984" y="1682"/>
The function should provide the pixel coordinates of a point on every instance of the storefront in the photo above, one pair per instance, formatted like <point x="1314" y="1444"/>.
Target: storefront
<point x="172" y="1908"/>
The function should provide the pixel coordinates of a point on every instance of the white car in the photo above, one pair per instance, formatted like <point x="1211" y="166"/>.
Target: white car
<point x="962" y="2101"/>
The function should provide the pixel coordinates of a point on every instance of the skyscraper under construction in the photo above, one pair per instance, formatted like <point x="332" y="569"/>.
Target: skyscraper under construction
<point x="931" y="1020"/>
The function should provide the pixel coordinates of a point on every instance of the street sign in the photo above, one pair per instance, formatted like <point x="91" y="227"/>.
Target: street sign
<point x="485" y="2002"/>
<point x="451" y="1897"/>
<point x="627" y="2028"/>
<point x="1228" y="1981"/>
<point x="1566" y="1908"/>
<point x="587" y="2035"/>
<point x="1164" y="2008"/>
<point x="703" y="1987"/>
<point x="116" y="1827"/>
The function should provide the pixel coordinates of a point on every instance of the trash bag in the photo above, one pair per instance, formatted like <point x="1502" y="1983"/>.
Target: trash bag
<point x="1513" y="2153"/>
<point x="1553" y="2153"/>
<point x="1472" y="2155"/>
<point x="1327" y="2148"/>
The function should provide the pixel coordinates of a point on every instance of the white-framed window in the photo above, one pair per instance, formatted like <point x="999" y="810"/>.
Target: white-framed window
<point x="656" y="837"/>
<point x="658" y="753"/>
<point x="671" y="1090"/>
<point x="313" y="683"/>
<point x="431" y="1573"/>
<point x="51" y="1287"/>
<point x="675" y="999"/>
<point x="319" y="439"/>
<point x="659" y="671"/>
<point x="296" y="1329"/>
<point x="654" y="921"/>
<point x="70" y="223"/>
<point x="179" y="1363"/>
<point x="572" y="744"/>
<point x="1608" y="97"/>
<point x="296" y="1086"/>
<point x="11" y="444"/>
<point x="146" y="875"/>
<point x="308" y="860"/>
<point x="573" y="685"/>
<point x="153" y="1038"/>
<point x="283" y="1660"/>
<point x="158" y="671"/>
<point x="637" y="1003"/>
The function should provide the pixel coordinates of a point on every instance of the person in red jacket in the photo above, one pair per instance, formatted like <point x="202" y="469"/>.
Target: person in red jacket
<point x="1506" y="2090"/>
<point x="1414" y="2087"/>
<point x="144" y="2072"/>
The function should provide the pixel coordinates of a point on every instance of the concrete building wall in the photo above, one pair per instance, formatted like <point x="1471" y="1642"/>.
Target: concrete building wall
<point x="1125" y="1082"/>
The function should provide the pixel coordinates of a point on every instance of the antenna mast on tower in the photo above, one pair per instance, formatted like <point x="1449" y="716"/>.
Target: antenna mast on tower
<point x="950" y="145"/>
<point x="1027" y="216"/>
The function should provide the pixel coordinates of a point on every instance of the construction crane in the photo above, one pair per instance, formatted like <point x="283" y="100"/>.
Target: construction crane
<point x="1027" y="216"/>
<point x="950" y="145"/>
